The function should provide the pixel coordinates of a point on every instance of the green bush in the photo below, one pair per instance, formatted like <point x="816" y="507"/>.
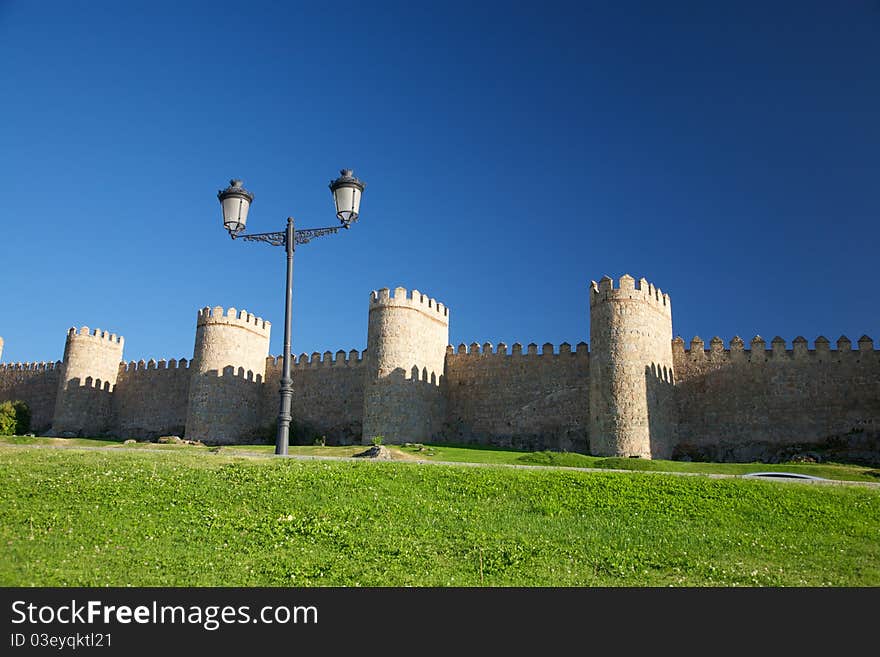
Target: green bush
<point x="15" y="418"/>
<point x="378" y="440"/>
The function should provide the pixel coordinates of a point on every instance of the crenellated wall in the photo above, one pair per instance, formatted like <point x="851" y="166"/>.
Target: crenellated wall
<point x="37" y="385"/>
<point x="328" y="394"/>
<point x="151" y="398"/>
<point x="743" y="404"/>
<point x="525" y="400"/>
<point x="634" y="391"/>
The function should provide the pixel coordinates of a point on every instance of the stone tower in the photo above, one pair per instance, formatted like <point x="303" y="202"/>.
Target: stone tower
<point x="228" y="368"/>
<point x="85" y="387"/>
<point x="632" y="411"/>
<point x="407" y="337"/>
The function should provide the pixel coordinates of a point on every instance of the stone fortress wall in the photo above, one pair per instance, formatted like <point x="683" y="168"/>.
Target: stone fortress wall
<point x="735" y="403"/>
<point x="519" y="399"/>
<point x="35" y="383"/>
<point x="328" y="394"/>
<point x="151" y="399"/>
<point x="635" y="391"/>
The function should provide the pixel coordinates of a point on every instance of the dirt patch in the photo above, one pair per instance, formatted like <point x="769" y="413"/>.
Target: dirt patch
<point x="400" y="455"/>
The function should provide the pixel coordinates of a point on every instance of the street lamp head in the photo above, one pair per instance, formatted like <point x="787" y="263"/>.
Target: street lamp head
<point x="347" y="191"/>
<point x="235" y="201"/>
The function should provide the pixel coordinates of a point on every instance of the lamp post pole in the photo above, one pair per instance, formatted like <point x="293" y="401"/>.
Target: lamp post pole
<point x="235" y="201"/>
<point x="282" y="439"/>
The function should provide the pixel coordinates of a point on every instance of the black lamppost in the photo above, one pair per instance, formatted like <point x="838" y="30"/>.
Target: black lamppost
<point x="236" y="202"/>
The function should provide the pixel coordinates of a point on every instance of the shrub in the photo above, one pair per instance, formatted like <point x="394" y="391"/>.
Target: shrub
<point x="15" y="418"/>
<point x="377" y="440"/>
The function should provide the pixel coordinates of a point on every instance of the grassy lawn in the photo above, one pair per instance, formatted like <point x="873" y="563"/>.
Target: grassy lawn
<point x="474" y="454"/>
<point x="184" y="517"/>
<point x="487" y="455"/>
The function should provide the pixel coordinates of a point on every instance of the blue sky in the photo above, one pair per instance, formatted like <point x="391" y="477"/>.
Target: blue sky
<point x="729" y="152"/>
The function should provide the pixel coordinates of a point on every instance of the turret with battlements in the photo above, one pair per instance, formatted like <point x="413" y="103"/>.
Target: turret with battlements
<point x="407" y="337"/>
<point x="631" y="373"/>
<point x="228" y="368"/>
<point x="88" y="378"/>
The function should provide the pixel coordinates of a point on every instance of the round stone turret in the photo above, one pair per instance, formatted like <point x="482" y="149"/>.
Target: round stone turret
<point x="631" y="376"/>
<point x="407" y="337"/>
<point x="228" y="368"/>
<point x="88" y="377"/>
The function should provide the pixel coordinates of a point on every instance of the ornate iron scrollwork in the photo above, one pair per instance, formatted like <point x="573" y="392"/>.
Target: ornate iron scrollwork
<point x="303" y="236"/>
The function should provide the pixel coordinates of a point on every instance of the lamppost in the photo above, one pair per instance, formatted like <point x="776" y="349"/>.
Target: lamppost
<point x="236" y="201"/>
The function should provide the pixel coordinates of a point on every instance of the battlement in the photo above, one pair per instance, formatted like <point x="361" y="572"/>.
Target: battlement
<point x="547" y="349"/>
<point x="162" y="364"/>
<point x="415" y="299"/>
<point x="30" y="367"/>
<point x="233" y="317"/>
<point x="353" y="358"/>
<point x="629" y="288"/>
<point x="778" y="348"/>
<point x="97" y="334"/>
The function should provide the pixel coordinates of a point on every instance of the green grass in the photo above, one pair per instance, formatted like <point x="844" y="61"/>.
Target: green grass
<point x="838" y="471"/>
<point x="184" y="517"/>
<point x="473" y="454"/>
<point x="487" y="455"/>
<point x="464" y="453"/>
<point x="61" y="442"/>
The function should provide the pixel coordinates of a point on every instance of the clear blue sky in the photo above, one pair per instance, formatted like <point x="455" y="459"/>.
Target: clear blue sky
<point x="729" y="152"/>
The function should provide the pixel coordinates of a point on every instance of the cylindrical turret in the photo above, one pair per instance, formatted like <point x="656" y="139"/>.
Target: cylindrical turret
<point x="228" y="368"/>
<point x="88" y="376"/>
<point x="407" y="337"/>
<point x="632" y="411"/>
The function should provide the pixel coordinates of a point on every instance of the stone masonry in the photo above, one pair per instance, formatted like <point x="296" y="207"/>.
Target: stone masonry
<point x="407" y="337"/>
<point x="88" y="378"/>
<point x="633" y="392"/>
<point x="226" y="375"/>
<point x="630" y="362"/>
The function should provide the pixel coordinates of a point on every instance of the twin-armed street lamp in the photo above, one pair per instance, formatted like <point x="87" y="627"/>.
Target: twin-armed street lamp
<point x="236" y="202"/>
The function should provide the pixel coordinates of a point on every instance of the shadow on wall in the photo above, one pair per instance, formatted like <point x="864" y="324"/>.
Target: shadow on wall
<point x="404" y="406"/>
<point x="536" y="426"/>
<point x="417" y="376"/>
<point x="659" y="389"/>
<point x="85" y="409"/>
<point x="224" y="407"/>
<point x="304" y="432"/>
